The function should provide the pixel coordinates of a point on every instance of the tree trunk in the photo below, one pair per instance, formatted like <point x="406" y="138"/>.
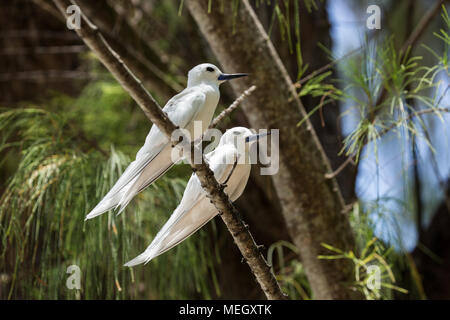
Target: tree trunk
<point x="315" y="28"/>
<point x="312" y="205"/>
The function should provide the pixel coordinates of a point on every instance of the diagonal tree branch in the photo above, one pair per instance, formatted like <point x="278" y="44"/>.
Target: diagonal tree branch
<point x="89" y="33"/>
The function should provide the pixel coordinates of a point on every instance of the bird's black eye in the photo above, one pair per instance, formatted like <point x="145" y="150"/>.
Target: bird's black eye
<point x="210" y="69"/>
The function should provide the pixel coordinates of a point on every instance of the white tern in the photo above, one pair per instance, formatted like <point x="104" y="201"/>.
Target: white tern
<point x="231" y="165"/>
<point x="195" y="103"/>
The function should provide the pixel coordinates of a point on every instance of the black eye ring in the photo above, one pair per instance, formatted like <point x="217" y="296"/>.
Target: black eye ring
<point x="210" y="69"/>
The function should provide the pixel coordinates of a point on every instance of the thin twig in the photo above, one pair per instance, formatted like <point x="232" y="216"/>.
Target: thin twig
<point x="413" y="115"/>
<point x="344" y="164"/>
<point x="422" y="25"/>
<point x="322" y="100"/>
<point x="89" y="33"/>
<point x="324" y="68"/>
<point x="443" y="95"/>
<point x="232" y="106"/>
<point x="299" y="83"/>
<point x="227" y="111"/>
<point x="43" y="4"/>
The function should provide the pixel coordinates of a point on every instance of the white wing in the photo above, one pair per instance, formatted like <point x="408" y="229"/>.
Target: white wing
<point x="193" y="212"/>
<point x="154" y="158"/>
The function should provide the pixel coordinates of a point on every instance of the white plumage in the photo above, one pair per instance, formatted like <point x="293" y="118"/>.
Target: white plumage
<point x="231" y="165"/>
<point x="195" y="103"/>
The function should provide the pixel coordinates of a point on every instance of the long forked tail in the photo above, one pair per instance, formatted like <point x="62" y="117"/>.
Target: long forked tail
<point x="107" y="203"/>
<point x="142" y="258"/>
<point x="154" y="170"/>
<point x="148" y="162"/>
<point x="181" y="225"/>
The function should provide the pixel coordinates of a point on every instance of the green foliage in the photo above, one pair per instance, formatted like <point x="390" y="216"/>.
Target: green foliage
<point x="288" y="270"/>
<point x="379" y="85"/>
<point x="317" y="87"/>
<point x="373" y="255"/>
<point x="62" y="172"/>
<point x="283" y="12"/>
<point x="371" y="261"/>
<point x="387" y="82"/>
<point x="369" y="253"/>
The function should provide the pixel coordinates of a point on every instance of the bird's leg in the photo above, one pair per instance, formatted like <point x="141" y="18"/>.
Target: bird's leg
<point x="224" y="184"/>
<point x="180" y="139"/>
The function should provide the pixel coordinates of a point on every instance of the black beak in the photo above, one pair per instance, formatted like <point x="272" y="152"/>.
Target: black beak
<point x="256" y="137"/>
<point x="226" y="76"/>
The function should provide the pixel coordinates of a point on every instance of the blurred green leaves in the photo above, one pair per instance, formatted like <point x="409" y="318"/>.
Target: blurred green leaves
<point x="65" y="163"/>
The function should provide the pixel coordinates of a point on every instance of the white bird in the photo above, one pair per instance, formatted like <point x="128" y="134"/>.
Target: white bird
<point x="230" y="162"/>
<point x="195" y="103"/>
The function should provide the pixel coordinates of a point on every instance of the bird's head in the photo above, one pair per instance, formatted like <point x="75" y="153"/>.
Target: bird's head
<point x="241" y="138"/>
<point x="210" y="74"/>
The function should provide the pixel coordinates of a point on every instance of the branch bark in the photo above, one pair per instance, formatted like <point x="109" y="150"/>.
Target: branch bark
<point x="312" y="205"/>
<point x="89" y="33"/>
